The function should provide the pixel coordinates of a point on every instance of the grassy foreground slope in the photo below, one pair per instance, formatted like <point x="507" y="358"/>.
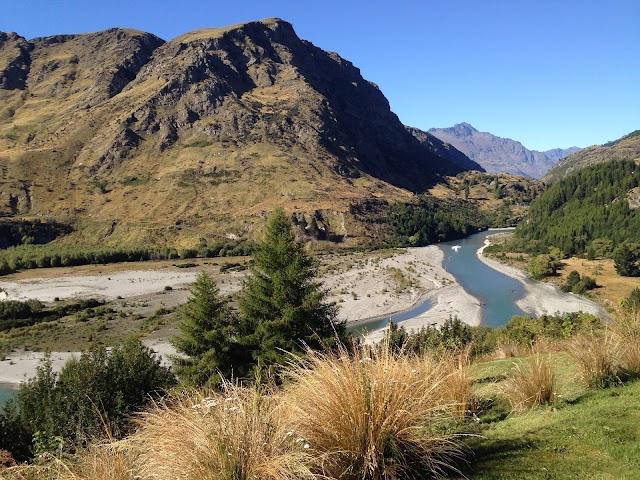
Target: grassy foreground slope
<point x="591" y="434"/>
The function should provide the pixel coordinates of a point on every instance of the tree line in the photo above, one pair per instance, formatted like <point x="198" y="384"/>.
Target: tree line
<point x="62" y="255"/>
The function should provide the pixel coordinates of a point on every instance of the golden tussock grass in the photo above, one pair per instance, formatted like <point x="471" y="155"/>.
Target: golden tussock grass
<point x="361" y="414"/>
<point x="626" y="332"/>
<point x="530" y="383"/>
<point x="597" y="356"/>
<point x="372" y="414"/>
<point x="234" y="435"/>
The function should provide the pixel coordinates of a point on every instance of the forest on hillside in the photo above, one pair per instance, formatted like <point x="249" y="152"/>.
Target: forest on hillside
<point x="587" y="209"/>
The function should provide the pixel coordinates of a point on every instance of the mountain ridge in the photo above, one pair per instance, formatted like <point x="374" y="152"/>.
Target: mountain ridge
<point x="208" y="130"/>
<point x="626" y="147"/>
<point x="500" y="155"/>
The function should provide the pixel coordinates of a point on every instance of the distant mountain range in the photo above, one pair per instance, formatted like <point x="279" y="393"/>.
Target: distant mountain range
<point x="625" y="148"/>
<point x="198" y="136"/>
<point x="500" y="155"/>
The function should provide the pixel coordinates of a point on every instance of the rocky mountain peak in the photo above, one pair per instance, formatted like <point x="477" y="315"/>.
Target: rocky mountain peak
<point x="500" y="155"/>
<point x="462" y="129"/>
<point x="14" y="61"/>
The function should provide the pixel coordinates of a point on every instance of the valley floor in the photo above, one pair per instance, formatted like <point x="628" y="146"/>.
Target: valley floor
<point x="366" y="286"/>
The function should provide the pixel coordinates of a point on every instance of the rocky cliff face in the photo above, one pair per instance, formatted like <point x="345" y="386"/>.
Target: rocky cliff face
<point x="625" y="148"/>
<point x="500" y="155"/>
<point x="211" y="127"/>
<point x="14" y="61"/>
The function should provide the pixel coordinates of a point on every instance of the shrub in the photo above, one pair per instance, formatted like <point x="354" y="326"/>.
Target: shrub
<point x="98" y="390"/>
<point x="375" y="414"/>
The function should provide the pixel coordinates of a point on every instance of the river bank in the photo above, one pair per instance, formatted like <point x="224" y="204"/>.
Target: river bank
<point x="366" y="286"/>
<point x="542" y="298"/>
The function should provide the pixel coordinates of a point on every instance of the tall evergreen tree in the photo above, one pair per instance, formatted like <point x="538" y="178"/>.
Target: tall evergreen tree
<point x="282" y="302"/>
<point x="208" y="338"/>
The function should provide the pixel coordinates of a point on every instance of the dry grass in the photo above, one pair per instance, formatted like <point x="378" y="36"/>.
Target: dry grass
<point x="611" y="287"/>
<point x="457" y="394"/>
<point x="597" y="357"/>
<point x="110" y="461"/>
<point x="506" y="350"/>
<point x="238" y="434"/>
<point x="375" y="415"/>
<point x="530" y="383"/>
<point x="626" y="332"/>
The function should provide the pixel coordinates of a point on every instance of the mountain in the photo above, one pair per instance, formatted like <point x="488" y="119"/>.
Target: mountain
<point x="140" y="139"/>
<point x="625" y="148"/>
<point x="500" y="155"/>
<point x="444" y="150"/>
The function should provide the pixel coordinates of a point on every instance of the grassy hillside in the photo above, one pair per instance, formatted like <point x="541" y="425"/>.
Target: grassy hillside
<point x="625" y="148"/>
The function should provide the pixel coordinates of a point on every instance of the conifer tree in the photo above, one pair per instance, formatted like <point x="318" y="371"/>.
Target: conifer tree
<point x="282" y="302"/>
<point x="208" y="338"/>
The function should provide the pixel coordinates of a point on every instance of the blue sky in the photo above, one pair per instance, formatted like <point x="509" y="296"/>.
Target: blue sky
<point x="547" y="73"/>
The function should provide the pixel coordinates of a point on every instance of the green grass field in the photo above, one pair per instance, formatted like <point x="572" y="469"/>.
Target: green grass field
<point x="584" y="434"/>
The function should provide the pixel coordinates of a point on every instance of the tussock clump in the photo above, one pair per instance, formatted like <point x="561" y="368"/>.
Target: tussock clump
<point x="456" y="390"/>
<point x="626" y="333"/>
<point x="506" y="350"/>
<point x="530" y="384"/>
<point x="237" y="434"/>
<point x="375" y="414"/>
<point x="598" y="359"/>
<point x="110" y="461"/>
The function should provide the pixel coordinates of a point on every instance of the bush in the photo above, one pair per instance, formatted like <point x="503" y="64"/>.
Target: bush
<point x="94" y="392"/>
<point x="578" y="285"/>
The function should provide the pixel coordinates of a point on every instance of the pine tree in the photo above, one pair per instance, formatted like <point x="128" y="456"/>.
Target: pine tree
<point x="282" y="303"/>
<point x="208" y="338"/>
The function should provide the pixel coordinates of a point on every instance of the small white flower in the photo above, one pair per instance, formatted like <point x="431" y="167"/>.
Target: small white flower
<point x="306" y="445"/>
<point x="298" y="440"/>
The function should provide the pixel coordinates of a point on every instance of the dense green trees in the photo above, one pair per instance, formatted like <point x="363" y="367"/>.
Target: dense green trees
<point x="627" y="259"/>
<point x="587" y="209"/>
<point x="208" y="340"/>
<point x="93" y="393"/>
<point x="282" y="306"/>
<point x="432" y="221"/>
<point x="66" y="255"/>
<point x="283" y="309"/>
